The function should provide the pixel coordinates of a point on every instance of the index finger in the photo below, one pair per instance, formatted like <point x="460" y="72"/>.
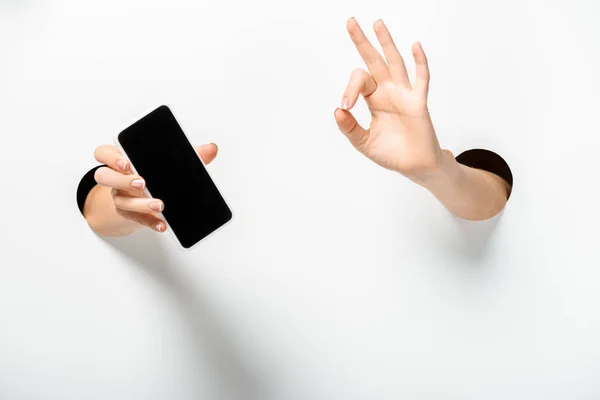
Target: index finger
<point x="375" y="62"/>
<point x="112" y="158"/>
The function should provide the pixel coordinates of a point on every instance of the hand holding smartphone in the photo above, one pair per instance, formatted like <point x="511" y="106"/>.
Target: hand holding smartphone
<point x="158" y="149"/>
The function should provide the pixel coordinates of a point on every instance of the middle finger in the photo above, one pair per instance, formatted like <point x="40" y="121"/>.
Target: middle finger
<point x="375" y="62"/>
<point x="394" y="59"/>
<point x="137" y="204"/>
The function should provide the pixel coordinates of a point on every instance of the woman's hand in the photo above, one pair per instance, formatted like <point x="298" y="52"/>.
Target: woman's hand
<point x="401" y="136"/>
<point x="118" y="205"/>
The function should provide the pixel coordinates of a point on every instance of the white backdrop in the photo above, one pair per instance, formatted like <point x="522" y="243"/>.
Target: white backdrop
<point x="338" y="279"/>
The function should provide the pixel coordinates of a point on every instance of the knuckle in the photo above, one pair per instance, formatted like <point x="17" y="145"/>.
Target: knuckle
<point x="125" y="203"/>
<point x="122" y="213"/>
<point x="98" y="153"/>
<point x="138" y="218"/>
<point x="118" y="200"/>
<point x="100" y="175"/>
<point x="143" y="219"/>
<point x="361" y="141"/>
<point x="358" y="73"/>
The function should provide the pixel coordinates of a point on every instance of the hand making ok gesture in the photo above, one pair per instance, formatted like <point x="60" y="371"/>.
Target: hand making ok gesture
<point x="401" y="136"/>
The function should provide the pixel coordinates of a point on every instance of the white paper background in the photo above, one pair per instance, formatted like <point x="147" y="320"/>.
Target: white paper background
<point x="337" y="280"/>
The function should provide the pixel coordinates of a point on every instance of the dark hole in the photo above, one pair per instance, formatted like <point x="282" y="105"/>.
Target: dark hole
<point x="488" y="161"/>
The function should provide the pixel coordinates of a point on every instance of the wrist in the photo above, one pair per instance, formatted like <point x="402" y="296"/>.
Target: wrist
<point x="446" y="170"/>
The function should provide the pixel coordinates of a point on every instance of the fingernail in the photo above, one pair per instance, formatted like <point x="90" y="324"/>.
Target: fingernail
<point x="159" y="227"/>
<point x="122" y="165"/>
<point x="216" y="147"/>
<point x="138" y="184"/>
<point x="345" y="103"/>
<point x="156" y="206"/>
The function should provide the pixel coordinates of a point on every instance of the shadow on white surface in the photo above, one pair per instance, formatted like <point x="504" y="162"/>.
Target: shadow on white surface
<point x="209" y="338"/>
<point x="472" y="239"/>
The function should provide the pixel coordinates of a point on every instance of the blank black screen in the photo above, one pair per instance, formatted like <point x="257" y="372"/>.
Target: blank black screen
<point x="162" y="155"/>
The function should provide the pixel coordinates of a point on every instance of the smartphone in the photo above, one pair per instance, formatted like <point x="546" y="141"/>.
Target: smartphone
<point x="159" y="151"/>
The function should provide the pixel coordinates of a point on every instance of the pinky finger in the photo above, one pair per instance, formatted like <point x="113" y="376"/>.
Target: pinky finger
<point x="422" y="69"/>
<point x="158" y="226"/>
<point x="147" y="220"/>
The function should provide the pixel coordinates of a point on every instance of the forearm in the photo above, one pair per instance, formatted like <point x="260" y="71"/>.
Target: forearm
<point x="468" y="193"/>
<point x="102" y="216"/>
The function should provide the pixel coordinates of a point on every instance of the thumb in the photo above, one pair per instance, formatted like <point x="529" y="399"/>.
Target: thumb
<point x="207" y="152"/>
<point x="350" y="127"/>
